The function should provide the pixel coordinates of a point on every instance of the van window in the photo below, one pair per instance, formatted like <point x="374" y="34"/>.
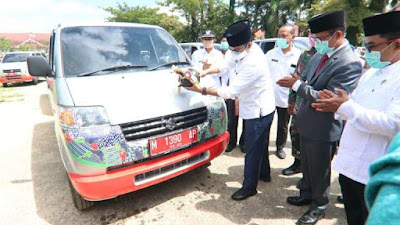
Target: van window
<point x="15" y="57"/>
<point x="87" y="49"/>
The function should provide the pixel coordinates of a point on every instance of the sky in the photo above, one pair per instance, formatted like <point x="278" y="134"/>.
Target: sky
<point x="41" y="16"/>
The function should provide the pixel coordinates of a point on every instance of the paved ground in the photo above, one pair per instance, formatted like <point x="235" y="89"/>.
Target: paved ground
<point x="34" y="188"/>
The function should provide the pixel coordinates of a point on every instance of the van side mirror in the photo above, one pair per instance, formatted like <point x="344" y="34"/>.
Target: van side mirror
<point x="38" y="67"/>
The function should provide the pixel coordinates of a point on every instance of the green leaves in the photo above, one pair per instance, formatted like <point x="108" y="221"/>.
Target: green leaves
<point x="5" y="44"/>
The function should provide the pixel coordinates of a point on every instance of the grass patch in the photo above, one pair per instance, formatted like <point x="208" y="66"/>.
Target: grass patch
<point x="10" y="95"/>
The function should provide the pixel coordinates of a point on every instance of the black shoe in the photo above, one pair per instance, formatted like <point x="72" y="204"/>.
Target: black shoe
<point x="340" y="199"/>
<point x="265" y="179"/>
<point x="242" y="194"/>
<point x="295" y="168"/>
<point x="298" y="200"/>
<point x="280" y="154"/>
<point x="230" y="147"/>
<point x="300" y="184"/>
<point x="242" y="148"/>
<point x="311" y="216"/>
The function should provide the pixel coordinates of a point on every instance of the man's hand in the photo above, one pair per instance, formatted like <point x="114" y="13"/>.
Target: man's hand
<point x="206" y="64"/>
<point x="196" y="87"/>
<point x="288" y="81"/>
<point x="330" y="102"/>
<point x="290" y="109"/>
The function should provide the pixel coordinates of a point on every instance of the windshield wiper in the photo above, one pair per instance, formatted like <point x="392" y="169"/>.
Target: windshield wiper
<point x="114" y="68"/>
<point x="169" y="64"/>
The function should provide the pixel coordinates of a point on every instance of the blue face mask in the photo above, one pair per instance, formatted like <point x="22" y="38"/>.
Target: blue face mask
<point x="224" y="46"/>
<point x="373" y="59"/>
<point x="322" y="47"/>
<point x="282" y="43"/>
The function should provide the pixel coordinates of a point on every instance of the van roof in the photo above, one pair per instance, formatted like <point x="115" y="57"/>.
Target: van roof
<point x="108" y="24"/>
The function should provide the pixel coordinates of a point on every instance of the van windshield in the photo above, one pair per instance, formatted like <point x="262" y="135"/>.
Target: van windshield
<point x="87" y="49"/>
<point x="15" y="57"/>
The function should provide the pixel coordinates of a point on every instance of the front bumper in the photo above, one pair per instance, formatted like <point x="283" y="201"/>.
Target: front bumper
<point x="122" y="181"/>
<point x="16" y="78"/>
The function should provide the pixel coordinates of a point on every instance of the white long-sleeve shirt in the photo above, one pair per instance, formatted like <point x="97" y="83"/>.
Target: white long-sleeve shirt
<point x="281" y="65"/>
<point x="214" y="57"/>
<point x="373" y="119"/>
<point x="251" y="84"/>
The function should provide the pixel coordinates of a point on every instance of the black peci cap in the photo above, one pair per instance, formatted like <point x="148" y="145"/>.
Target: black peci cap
<point x="326" y="21"/>
<point x="208" y="34"/>
<point x="238" y="33"/>
<point x="382" y="23"/>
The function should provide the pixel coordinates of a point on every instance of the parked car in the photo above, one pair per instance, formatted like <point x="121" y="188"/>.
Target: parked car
<point x="13" y="68"/>
<point x="190" y="47"/>
<point x="301" y="43"/>
<point x="120" y="123"/>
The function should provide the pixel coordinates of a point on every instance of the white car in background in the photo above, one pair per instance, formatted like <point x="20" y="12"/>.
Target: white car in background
<point x="13" y="68"/>
<point x="190" y="47"/>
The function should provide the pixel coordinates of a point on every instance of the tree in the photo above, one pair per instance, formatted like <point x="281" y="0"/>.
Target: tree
<point x="124" y="13"/>
<point x="201" y="15"/>
<point x="5" y="44"/>
<point x="26" y="47"/>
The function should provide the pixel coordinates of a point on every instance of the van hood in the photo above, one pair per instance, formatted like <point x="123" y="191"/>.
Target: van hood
<point x="134" y="96"/>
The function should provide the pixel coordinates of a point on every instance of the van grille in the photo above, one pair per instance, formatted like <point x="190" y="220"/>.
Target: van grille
<point x="160" y="125"/>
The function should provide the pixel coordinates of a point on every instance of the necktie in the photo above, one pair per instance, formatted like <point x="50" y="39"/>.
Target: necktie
<point x="321" y="64"/>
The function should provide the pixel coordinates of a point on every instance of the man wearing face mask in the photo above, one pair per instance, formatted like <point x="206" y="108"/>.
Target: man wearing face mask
<point x="253" y="87"/>
<point x="372" y="111"/>
<point x="204" y="58"/>
<point x="293" y="105"/>
<point x="282" y="62"/>
<point x="334" y="66"/>
<point x="231" y="104"/>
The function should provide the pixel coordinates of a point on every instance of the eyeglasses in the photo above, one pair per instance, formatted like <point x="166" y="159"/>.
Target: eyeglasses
<point x="320" y="39"/>
<point x="370" y="47"/>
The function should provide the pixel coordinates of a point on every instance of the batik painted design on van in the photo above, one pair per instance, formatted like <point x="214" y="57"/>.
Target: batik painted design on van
<point x="106" y="146"/>
<point x="102" y="146"/>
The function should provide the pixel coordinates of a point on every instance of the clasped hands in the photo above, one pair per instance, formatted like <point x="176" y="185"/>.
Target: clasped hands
<point x="330" y="102"/>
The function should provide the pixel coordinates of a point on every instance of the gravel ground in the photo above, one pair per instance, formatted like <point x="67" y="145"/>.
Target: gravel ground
<point x="34" y="188"/>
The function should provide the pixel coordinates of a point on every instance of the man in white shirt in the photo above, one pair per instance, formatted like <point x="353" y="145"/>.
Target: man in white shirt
<point x="253" y="87"/>
<point x="372" y="112"/>
<point x="232" y="103"/>
<point x="204" y="58"/>
<point x="282" y="62"/>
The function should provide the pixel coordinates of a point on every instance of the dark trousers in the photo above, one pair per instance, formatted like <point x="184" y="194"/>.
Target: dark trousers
<point x="256" y="162"/>
<point x="282" y="131"/>
<point x="233" y="123"/>
<point x="315" y="159"/>
<point x="353" y="196"/>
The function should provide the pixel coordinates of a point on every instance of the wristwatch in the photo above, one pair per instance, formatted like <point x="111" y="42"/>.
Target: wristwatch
<point x="204" y="91"/>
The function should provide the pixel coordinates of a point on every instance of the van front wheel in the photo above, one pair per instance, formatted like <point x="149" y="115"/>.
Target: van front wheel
<point x="79" y="202"/>
<point x="35" y="81"/>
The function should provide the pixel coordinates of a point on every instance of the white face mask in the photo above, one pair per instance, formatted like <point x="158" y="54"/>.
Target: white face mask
<point x="237" y="56"/>
<point x="208" y="43"/>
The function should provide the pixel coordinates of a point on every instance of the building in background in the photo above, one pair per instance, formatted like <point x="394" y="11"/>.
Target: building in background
<point x="27" y="41"/>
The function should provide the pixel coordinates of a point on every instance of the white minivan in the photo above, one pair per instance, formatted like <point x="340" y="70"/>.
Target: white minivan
<point x="120" y="121"/>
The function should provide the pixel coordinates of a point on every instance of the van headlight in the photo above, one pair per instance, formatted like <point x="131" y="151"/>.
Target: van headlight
<point x="76" y="117"/>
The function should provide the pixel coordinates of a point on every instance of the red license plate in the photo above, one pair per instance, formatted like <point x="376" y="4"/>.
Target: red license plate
<point x="173" y="141"/>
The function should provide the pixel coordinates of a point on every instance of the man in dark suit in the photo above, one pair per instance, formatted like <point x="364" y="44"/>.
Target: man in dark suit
<point x="334" y="66"/>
